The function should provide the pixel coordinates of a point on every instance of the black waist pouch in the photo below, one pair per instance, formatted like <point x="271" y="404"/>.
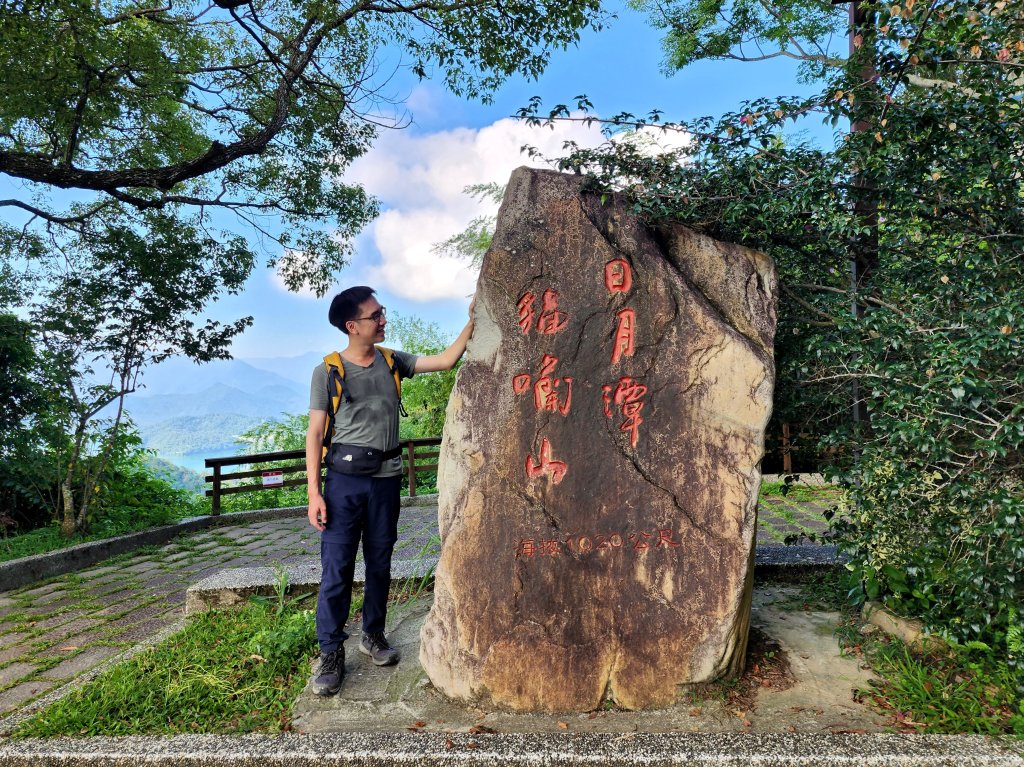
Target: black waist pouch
<point x="355" y="459"/>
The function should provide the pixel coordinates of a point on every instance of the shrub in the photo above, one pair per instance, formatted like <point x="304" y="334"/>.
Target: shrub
<point x="947" y="552"/>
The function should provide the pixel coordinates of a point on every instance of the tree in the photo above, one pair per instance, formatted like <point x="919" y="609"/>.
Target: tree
<point x="936" y="481"/>
<point x="250" y="106"/>
<point x="120" y="300"/>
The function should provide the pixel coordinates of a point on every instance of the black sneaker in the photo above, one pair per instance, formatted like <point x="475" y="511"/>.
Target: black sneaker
<point x="377" y="647"/>
<point x="329" y="675"/>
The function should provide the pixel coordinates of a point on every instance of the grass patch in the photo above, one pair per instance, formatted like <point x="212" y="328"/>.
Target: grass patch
<point x="948" y="690"/>
<point x="404" y="597"/>
<point x="226" y="672"/>
<point x="799" y="492"/>
<point x="114" y="522"/>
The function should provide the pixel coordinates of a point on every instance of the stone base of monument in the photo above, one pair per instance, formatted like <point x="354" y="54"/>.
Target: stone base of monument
<point x="815" y="694"/>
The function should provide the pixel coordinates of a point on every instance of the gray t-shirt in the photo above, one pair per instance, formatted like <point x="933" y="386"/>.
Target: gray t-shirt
<point x="370" y="419"/>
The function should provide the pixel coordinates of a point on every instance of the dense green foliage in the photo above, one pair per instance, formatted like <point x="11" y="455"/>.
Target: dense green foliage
<point x="130" y="498"/>
<point x="226" y="672"/>
<point x="939" y="689"/>
<point x="927" y="198"/>
<point x="24" y="400"/>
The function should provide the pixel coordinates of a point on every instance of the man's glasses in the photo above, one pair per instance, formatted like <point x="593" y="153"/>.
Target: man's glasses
<point x="377" y="316"/>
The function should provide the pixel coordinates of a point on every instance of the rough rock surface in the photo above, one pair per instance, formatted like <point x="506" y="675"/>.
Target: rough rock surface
<point x="600" y="465"/>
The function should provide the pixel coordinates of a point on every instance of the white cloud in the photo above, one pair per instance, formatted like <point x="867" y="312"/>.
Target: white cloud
<point x="420" y="178"/>
<point x="653" y="140"/>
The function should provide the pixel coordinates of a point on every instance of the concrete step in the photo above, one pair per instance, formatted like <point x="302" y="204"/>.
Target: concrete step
<point x="233" y="586"/>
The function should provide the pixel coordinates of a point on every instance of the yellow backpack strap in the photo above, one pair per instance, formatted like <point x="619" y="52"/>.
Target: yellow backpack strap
<point x="389" y="357"/>
<point x="335" y="392"/>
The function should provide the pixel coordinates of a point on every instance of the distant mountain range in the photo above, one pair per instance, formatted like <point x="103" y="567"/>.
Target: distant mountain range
<point x="187" y="412"/>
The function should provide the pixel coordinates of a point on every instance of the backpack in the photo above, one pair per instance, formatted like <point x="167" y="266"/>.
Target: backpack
<point x="336" y="389"/>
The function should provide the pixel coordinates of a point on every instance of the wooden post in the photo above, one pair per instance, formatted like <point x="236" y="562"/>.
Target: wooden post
<point x="410" y="447"/>
<point x="787" y="455"/>
<point x="215" y="504"/>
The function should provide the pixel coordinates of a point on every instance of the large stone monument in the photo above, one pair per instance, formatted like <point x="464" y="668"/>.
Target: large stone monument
<point x="601" y="459"/>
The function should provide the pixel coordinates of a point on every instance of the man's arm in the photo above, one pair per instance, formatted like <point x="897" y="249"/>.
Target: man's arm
<point x="314" y="441"/>
<point x="446" y="360"/>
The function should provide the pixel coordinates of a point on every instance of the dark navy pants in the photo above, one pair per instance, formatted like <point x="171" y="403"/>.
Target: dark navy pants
<point x="357" y="508"/>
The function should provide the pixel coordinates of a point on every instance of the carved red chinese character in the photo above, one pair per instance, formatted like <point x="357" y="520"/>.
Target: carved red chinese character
<point x="623" y="343"/>
<point x="555" y="469"/>
<point x="640" y="540"/>
<point x="665" y="538"/>
<point x="551" y="319"/>
<point x="618" y="277"/>
<point x="526" y="313"/>
<point x="545" y="390"/>
<point x="549" y="548"/>
<point x="627" y="395"/>
<point x="527" y="547"/>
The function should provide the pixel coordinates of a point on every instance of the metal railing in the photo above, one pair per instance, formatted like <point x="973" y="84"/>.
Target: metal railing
<point x="280" y="469"/>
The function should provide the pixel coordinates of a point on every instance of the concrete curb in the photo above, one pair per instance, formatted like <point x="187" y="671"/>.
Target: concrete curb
<point x="428" y="750"/>
<point x="780" y="562"/>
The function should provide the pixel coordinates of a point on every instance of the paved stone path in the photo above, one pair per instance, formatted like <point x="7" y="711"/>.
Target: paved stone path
<point x="54" y="631"/>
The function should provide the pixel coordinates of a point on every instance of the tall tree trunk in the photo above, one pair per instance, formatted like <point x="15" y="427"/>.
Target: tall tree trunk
<point x="67" y="522"/>
<point x="864" y="248"/>
<point x="69" y="518"/>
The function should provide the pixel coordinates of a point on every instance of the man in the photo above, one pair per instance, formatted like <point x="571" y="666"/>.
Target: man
<point x="359" y="506"/>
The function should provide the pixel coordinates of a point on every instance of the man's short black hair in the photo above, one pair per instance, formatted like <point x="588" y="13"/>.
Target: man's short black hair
<point x="345" y="306"/>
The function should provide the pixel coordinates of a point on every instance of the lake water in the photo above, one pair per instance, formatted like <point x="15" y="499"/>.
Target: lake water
<point x="195" y="461"/>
